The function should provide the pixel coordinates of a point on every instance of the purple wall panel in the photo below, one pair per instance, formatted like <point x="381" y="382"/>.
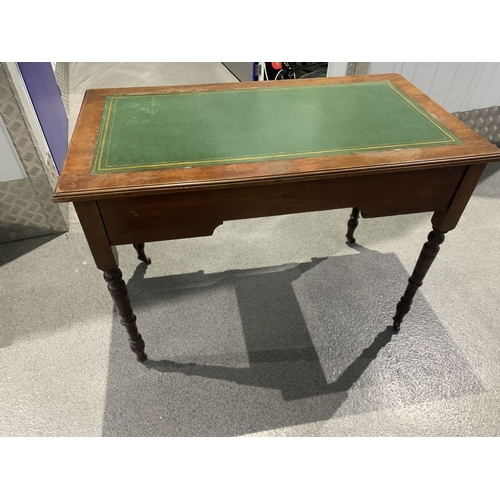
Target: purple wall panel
<point x="47" y="101"/>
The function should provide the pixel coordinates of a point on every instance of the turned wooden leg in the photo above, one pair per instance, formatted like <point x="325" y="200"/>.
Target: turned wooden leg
<point x="352" y="224"/>
<point x="119" y="294"/>
<point x="427" y="256"/>
<point x="140" y="253"/>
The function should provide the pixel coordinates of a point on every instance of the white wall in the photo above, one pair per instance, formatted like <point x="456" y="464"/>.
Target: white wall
<point x="11" y="168"/>
<point x="456" y="86"/>
<point x="336" y="69"/>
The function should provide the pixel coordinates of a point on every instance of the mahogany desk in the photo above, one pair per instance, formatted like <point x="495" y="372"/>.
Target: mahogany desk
<point x="160" y="163"/>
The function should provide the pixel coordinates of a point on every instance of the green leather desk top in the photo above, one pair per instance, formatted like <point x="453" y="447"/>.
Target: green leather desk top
<point x="182" y="130"/>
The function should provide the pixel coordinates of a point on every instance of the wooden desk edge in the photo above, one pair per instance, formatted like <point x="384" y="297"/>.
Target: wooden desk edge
<point x="233" y="175"/>
<point x="65" y="196"/>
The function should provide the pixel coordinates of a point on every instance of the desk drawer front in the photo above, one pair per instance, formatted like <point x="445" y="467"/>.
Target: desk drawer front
<point x="183" y="215"/>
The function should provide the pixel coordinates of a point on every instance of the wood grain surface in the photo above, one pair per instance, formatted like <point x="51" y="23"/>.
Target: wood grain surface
<point x="77" y="183"/>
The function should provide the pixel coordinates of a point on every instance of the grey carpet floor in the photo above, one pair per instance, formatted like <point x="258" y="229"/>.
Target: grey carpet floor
<point x="270" y="327"/>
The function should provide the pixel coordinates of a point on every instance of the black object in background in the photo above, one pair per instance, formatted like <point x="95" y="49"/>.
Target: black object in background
<point x="291" y="70"/>
<point x="247" y="71"/>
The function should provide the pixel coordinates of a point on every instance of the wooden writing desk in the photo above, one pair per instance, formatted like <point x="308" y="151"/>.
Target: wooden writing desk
<point x="160" y="163"/>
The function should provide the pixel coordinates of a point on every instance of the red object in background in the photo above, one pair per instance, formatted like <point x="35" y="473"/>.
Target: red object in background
<point x="277" y="65"/>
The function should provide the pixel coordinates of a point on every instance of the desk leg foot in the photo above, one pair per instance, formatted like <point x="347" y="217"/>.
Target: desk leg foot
<point x="352" y="224"/>
<point x="119" y="294"/>
<point x="426" y="258"/>
<point x="140" y="253"/>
